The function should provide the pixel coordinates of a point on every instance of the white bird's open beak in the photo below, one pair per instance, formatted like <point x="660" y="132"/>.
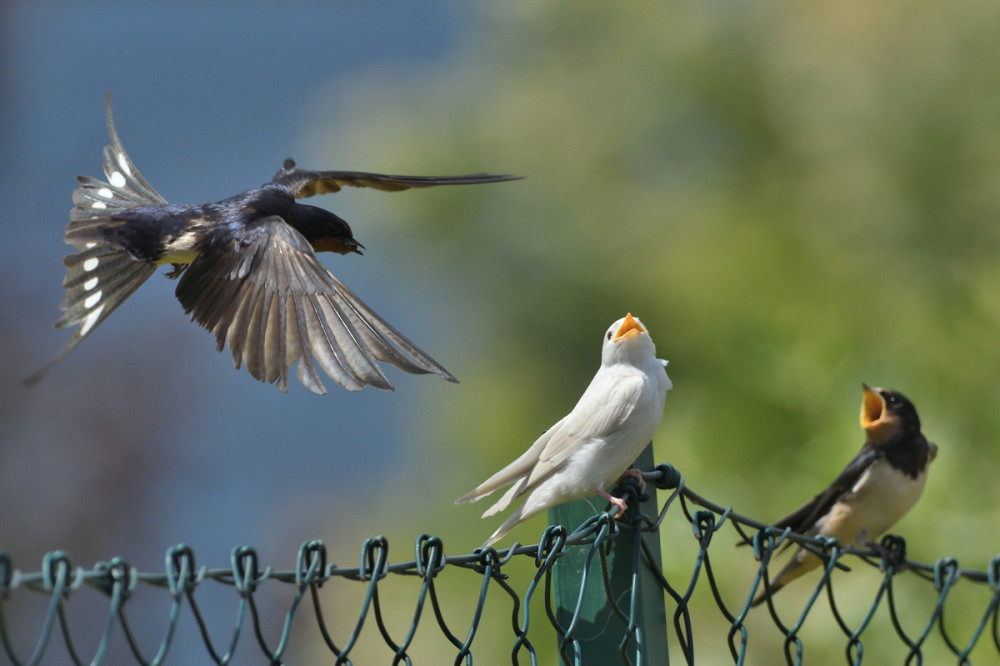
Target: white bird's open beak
<point x="629" y="327"/>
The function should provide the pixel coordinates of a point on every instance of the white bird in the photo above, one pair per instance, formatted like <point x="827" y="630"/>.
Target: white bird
<point x="594" y="444"/>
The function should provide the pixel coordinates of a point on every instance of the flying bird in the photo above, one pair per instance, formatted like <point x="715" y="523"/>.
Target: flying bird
<point x="248" y="270"/>
<point x="594" y="444"/>
<point x="873" y="492"/>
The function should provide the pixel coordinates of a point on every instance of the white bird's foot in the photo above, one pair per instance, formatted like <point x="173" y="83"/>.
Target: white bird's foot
<point x="617" y="501"/>
<point x="637" y="475"/>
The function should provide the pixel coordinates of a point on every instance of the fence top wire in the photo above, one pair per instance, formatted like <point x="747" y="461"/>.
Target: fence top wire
<point x="60" y="581"/>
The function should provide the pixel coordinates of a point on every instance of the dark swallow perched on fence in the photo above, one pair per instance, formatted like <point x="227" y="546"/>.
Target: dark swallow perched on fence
<point x="252" y="276"/>
<point x="873" y="492"/>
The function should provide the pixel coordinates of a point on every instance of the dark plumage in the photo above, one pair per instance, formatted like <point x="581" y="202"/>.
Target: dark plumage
<point x="247" y="267"/>
<point x="873" y="492"/>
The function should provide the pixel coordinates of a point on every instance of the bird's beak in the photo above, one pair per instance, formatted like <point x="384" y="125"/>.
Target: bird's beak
<point x="873" y="411"/>
<point x="629" y="327"/>
<point x="338" y="245"/>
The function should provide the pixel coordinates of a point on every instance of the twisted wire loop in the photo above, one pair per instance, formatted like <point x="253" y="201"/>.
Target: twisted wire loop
<point x="621" y="582"/>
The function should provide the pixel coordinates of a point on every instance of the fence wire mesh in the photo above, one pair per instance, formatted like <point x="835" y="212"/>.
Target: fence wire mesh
<point x="534" y="610"/>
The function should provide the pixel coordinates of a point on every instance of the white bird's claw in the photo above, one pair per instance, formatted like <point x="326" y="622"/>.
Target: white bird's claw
<point x="617" y="501"/>
<point x="637" y="475"/>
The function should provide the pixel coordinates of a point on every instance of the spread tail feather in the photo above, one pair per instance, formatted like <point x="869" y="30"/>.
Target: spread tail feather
<point x="518" y="470"/>
<point x="506" y="527"/>
<point x="100" y="276"/>
<point x="512" y="493"/>
<point x="98" y="280"/>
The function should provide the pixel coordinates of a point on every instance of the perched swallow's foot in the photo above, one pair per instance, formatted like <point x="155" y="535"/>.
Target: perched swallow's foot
<point x="176" y="273"/>
<point x="617" y="501"/>
<point x="637" y="475"/>
<point x="891" y="551"/>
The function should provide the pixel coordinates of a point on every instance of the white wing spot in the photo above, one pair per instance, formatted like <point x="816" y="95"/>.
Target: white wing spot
<point x="90" y="264"/>
<point x="106" y="193"/>
<point x="123" y="163"/>
<point x="92" y="299"/>
<point x="90" y="284"/>
<point x="91" y="319"/>
<point x="117" y="179"/>
<point x="90" y="245"/>
<point x="98" y="204"/>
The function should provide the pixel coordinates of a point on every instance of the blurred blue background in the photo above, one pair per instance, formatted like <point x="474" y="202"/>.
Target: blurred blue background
<point x="209" y="99"/>
<point x="794" y="198"/>
<point x="146" y="437"/>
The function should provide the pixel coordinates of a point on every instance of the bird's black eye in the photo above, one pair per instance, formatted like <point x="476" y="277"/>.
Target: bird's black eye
<point x="609" y="335"/>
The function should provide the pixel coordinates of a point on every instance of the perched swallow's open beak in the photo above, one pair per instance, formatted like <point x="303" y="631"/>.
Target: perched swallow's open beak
<point x="873" y="411"/>
<point x="629" y="327"/>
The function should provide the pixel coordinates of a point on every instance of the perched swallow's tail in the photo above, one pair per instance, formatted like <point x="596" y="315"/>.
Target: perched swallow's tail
<point x="801" y="563"/>
<point x="97" y="281"/>
<point x="763" y="594"/>
<point x="771" y="589"/>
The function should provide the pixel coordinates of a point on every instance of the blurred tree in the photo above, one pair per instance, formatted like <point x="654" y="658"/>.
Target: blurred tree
<point x="794" y="197"/>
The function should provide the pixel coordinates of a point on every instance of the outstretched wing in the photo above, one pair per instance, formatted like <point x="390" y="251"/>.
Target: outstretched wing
<point x="262" y="289"/>
<point x="305" y="183"/>
<point x="100" y="276"/>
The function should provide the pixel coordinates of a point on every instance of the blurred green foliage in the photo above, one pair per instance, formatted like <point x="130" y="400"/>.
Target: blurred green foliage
<point x="794" y="197"/>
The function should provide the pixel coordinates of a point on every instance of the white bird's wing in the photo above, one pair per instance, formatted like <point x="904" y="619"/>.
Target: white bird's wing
<point x="515" y="470"/>
<point x="602" y="408"/>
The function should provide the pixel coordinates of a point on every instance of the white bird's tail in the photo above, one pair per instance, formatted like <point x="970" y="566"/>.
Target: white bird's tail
<point x="506" y="527"/>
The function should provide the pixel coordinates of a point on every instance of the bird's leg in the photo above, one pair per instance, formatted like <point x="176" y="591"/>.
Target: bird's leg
<point x="176" y="273"/>
<point x="637" y="475"/>
<point x="617" y="501"/>
<point x="891" y="550"/>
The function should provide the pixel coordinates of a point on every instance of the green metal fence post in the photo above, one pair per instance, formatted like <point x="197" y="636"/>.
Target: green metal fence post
<point x="598" y="629"/>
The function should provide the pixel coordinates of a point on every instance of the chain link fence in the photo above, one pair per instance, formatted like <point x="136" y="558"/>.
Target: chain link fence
<point x="596" y="594"/>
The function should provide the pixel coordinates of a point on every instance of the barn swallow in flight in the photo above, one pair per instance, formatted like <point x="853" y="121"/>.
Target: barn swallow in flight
<point x="591" y="447"/>
<point x="252" y="276"/>
<point x="874" y="491"/>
